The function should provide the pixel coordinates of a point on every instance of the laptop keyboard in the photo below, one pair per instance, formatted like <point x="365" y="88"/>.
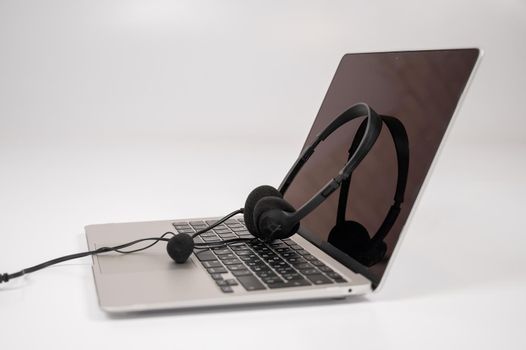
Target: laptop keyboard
<point x="256" y="265"/>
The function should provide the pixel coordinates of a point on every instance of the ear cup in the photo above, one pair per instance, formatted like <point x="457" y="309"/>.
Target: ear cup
<point x="269" y="203"/>
<point x="353" y="239"/>
<point x="250" y="204"/>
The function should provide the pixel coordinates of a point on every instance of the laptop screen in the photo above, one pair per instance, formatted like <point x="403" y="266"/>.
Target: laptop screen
<point x="418" y="90"/>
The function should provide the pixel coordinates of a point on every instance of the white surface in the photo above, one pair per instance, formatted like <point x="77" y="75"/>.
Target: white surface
<point x="110" y="110"/>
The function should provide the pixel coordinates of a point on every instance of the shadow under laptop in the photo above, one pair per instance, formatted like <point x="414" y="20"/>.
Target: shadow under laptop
<point x="233" y="308"/>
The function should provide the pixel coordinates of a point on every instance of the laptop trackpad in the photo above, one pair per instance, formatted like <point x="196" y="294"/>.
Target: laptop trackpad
<point x="153" y="259"/>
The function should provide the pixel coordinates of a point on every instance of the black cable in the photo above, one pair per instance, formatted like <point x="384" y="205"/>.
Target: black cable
<point x="218" y="222"/>
<point x="5" y="277"/>
<point x="209" y="245"/>
<point x="144" y="248"/>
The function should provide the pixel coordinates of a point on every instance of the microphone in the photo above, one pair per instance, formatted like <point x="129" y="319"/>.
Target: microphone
<point x="180" y="247"/>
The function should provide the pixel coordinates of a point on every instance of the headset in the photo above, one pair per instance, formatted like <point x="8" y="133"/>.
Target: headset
<point x="351" y="237"/>
<point x="267" y="214"/>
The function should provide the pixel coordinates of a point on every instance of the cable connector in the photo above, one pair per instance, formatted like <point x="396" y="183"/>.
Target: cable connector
<point x="4" y="278"/>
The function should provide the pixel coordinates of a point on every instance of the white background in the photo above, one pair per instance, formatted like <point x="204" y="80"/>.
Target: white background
<point x="117" y="111"/>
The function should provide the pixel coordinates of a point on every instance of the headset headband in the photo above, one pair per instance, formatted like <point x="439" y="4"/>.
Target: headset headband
<point x="373" y="126"/>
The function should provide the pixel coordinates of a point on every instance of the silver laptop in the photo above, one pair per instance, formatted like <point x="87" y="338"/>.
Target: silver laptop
<point x="345" y="246"/>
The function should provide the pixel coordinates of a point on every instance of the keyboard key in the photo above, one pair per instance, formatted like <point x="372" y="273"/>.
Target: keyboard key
<point x="295" y="261"/>
<point x="293" y="276"/>
<point x="265" y="274"/>
<point x="180" y="225"/>
<point x="326" y="269"/>
<point x="231" y="282"/>
<point x="260" y="268"/>
<point x="206" y="255"/>
<point x="310" y="257"/>
<point x="298" y="283"/>
<point x="226" y="256"/>
<point x="310" y="272"/>
<point x="231" y="261"/>
<point x="284" y="250"/>
<point x="276" y="264"/>
<point x="262" y="249"/>
<point x="185" y="230"/>
<point x="274" y="260"/>
<point x="216" y="276"/>
<point x="317" y="263"/>
<point x="221" y="283"/>
<point x="241" y="273"/>
<point x="303" y="266"/>
<point x="244" y="235"/>
<point x="250" y="283"/>
<point x="221" y="251"/>
<point x="211" y="263"/>
<point x="216" y="270"/>
<point x="319" y="279"/>
<point x="266" y="256"/>
<point x="246" y="258"/>
<point x="227" y="289"/>
<point x="244" y="252"/>
<point x="207" y="234"/>
<point x="221" y="230"/>
<point x="285" y="269"/>
<point x="233" y="223"/>
<point x="334" y="275"/>
<point x="236" y="267"/>
<point x="252" y="264"/>
<point x="238" y="246"/>
<point x="272" y="280"/>
<point x="211" y="239"/>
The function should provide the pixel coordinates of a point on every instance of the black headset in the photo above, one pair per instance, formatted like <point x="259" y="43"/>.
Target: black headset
<point x="267" y="215"/>
<point x="351" y="237"/>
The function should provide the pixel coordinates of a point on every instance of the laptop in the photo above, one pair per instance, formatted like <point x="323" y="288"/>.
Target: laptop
<point x="421" y="90"/>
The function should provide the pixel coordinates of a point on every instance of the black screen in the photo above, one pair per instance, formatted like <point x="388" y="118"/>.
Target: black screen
<point x="421" y="89"/>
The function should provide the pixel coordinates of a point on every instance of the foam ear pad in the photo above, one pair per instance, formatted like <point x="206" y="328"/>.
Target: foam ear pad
<point x="269" y="203"/>
<point x="250" y="204"/>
